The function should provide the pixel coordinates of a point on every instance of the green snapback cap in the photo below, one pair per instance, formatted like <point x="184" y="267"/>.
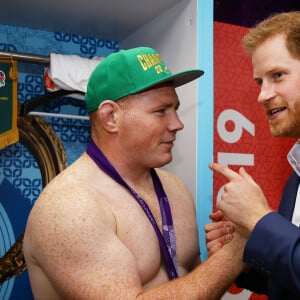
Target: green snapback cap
<point x="128" y="72"/>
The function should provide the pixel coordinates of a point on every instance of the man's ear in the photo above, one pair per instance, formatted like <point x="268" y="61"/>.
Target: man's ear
<point x="107" y="114"/>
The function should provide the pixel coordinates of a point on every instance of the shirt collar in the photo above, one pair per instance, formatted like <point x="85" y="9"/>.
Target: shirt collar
<point x="293" y="157"/>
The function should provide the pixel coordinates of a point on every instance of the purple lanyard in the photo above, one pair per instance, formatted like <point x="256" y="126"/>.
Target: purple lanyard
<point x="167" y="239"/>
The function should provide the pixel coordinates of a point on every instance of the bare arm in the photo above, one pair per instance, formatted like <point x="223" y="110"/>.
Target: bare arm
<point x="210" y="280"/>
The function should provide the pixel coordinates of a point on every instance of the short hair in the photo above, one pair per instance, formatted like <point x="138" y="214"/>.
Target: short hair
<point x="287" y="24"/>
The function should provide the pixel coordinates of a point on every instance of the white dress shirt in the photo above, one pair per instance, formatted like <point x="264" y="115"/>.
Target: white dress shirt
<point x="294" y="160"/>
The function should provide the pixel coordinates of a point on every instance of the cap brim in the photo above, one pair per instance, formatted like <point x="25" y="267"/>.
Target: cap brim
<point x="177" y="79"/>
<point x="182" y="78"/>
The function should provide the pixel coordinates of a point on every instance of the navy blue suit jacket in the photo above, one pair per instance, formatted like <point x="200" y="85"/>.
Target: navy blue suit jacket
<point x="273" y="250"/>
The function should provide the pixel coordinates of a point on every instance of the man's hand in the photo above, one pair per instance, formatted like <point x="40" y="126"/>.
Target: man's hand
<point x="218" y="232"/>
<point x="243" y="201"/>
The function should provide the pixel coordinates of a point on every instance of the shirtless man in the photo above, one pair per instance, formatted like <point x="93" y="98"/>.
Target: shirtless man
<point x="88" y="236"/>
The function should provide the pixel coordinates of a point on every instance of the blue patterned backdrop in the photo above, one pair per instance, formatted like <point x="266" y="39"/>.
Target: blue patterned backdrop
<point x="20" y="177"/>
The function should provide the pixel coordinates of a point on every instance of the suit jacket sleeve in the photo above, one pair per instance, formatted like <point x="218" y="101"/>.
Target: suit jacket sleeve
<point x="273" y="248"/>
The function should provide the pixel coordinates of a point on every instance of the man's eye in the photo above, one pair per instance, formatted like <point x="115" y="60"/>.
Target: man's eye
<point x="258" y="81"/>
<point x="161" y="111"/>
<point x="278" y="75"/>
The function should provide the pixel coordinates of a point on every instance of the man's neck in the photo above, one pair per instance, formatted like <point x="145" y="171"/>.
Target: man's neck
<point x="135" y="175"/>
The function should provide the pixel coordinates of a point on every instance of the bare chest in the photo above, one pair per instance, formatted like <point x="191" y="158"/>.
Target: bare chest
<point x="136" y="231"/>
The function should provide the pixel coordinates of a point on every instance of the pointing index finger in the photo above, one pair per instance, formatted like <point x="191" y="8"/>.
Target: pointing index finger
<point x="225" y="171"/>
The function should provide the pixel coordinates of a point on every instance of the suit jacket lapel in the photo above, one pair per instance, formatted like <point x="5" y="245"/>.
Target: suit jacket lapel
<point x="289" y="195"/>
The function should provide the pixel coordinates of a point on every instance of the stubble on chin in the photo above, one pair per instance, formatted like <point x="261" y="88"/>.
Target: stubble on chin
<point x="290" y="126"/>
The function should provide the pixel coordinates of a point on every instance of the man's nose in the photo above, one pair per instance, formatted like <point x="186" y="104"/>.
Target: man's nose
<point x="267" y="92"/>
<point x="176" y="123"/>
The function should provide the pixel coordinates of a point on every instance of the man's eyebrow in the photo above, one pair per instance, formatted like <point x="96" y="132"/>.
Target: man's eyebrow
<point x="271" y="70"/>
